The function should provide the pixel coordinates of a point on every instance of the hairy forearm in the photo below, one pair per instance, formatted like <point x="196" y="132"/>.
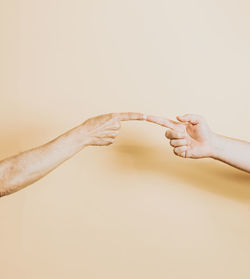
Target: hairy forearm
<point x="23" y="169"/>
<point x="232" y="151"/>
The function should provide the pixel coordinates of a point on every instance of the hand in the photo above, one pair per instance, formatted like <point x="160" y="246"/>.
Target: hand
<point x="191" y="137"/>
<point x="167" y="123"/>
<point x="197" y="142"/>
<point x="103" y="129"/>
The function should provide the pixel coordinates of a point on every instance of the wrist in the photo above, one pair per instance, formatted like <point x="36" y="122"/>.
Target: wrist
<point x="84" y="135"/>
<point x="215" y="146"/>
<point x="78" y="136"/>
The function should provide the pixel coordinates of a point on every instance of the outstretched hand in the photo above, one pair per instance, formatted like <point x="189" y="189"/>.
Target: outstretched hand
<point x="191" y="136"/>
<point x="103" y="129"/>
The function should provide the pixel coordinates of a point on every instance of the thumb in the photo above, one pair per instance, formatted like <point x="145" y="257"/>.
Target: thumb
<point x="192" y="118"/>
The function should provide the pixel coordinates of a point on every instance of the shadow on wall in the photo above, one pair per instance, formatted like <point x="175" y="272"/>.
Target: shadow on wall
<point x="130" y="154"/>
<point x="205" y="174"/>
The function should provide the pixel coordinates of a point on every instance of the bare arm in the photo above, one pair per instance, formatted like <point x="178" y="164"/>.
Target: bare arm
<point x="233" y="152"/>
<point x="24" y="169"/>
<point x="191" y="137"/>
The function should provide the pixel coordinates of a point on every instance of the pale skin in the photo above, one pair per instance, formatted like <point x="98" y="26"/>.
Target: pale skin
<point x="24" y="169"/>
<point x="191" y="137"/>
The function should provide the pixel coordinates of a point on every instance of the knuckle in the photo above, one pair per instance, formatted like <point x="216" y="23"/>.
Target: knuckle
<point x="107" y="116"/>
<point x="168" y="135"/>
<point x="172" y="143"/>
<point x="114" y="115"/>
<point x="178" y="143"/>
<point x="179" y="135"/>
<point x="117" y="125"/>
<point x="108" y="142"/>
<point x="110" y="117"/>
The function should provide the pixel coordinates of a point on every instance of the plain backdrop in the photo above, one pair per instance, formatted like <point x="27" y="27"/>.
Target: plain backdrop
<point x="131" y="210"/>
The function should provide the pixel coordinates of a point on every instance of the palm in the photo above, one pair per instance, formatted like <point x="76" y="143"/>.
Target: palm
<point x="101" y="130"/>
<point x="198" y="138"/>
<point x="191" y="136"/>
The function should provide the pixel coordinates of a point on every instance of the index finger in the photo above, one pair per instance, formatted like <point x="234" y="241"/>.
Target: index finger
<point x="126" y="116"/>
<point x="161" y="121"/>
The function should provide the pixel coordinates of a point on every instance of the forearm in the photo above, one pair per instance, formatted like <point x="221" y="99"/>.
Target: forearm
<point x="232" y="151"/>
<point x="23" y="169"/>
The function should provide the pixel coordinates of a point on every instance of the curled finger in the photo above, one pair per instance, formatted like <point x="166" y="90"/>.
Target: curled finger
<point x="178" y="142"/>
<point x="172" y="134"/>
<point x="180" y="150"/>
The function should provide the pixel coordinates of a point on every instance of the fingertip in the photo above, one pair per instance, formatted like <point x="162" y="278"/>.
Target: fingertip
<point x="182" y="118"/>
<point x="192" y="118"/>
<point x="167" y="134"/>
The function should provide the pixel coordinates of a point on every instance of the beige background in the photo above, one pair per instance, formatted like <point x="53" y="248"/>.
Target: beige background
<point x="132" y="210"/>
